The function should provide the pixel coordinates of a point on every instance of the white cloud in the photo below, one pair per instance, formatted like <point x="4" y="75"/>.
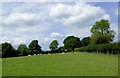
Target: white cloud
<point x="33" y="29"/>
<point x="22" y="24"/>
<point x="46" y="39"/>
<point x="29" y="21"/>
<point x="21" y="19"/>
<point x="114" y="27"/>
<point x="81" y="33"/>
<point x="78" y="18"/>
<point x="79" y="15"/>
<point x="55" y="34"/>
<point x="16" y="38"/>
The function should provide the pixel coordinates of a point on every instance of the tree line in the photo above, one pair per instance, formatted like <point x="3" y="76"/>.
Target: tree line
<point x="101" y="34"/>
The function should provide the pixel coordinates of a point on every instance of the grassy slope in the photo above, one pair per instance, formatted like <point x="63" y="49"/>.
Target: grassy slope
<point x="68" y="64"/>
<point x="0" y="67"/>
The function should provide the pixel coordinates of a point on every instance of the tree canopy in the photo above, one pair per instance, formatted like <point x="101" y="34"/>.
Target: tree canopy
<point x="8" y="50"/>
<point x="71" y="42"/>
<point x="86" y="41"/>
<point x="0" y="50"/>
<point x="54" y="45"/>
<point x="34" y="47"/>
<point x="60" y="49"/>
<point x="101" y="32"/>
<point x="22" y="49"/>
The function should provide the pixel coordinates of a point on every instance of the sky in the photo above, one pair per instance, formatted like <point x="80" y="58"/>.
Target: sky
<point x="23" y="22"/>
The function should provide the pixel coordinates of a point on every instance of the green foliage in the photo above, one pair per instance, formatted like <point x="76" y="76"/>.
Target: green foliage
<point x="46" y="52"/>
<point x="102" y="32"/>
<point x="22" y="50"/>
<point x="0" y="50"/>
<point x="60" y="49"/>
<point x="71" y="42"/>
<point x="54" y="45"/>
<point x="86" y="41"/>
<point x="101" y="48"/>
<point x="8" y="50"/>
<point x="34" y="47"/>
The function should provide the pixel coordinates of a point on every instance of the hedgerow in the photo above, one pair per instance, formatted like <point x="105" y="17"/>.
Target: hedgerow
<point x="111" y="48"/>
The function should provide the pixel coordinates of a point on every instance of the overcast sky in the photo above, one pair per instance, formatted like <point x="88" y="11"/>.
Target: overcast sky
<point x="23" y="22"/>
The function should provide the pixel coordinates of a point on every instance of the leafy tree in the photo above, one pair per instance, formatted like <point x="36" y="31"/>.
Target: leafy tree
<point x="22" y="50"/>
<point x="71" y="42"/>
<point x="60" y="49"/>
<point x="86" y="41"/>
<point x="8" y="50"/>
<point x="34" y="47"/>
<point x="0" y="50"/>
<point x="101" y="32"/>
<point x="54" y="45"/>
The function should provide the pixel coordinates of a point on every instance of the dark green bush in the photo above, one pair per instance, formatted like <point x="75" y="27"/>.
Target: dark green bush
<point x="112" y="48"/>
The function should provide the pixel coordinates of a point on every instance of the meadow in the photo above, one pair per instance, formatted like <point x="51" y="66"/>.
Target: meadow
<point x="58" y="64"/>
<point x="0" y="67"/>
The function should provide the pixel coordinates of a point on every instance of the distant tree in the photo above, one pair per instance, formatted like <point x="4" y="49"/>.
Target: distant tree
<point x="101" y="32"/>
<point x="8" y="50"/>
<point x="54" y="45"/>
<point x="34" y="47"/>
<point x="86" y="41"/>
<point x="60" y="49"/>
<point x="22" y="50"/>
<point x="71" y="42"/>
<point x="0" y="50"/>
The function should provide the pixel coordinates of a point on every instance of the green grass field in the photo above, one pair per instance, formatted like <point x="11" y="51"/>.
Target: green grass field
<point x="0" y="67"/>
<point x="68" y="64"/>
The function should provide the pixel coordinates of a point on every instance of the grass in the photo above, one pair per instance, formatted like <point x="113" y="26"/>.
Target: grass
<point x="68" y="64"/>
<point x="0" y="67"/>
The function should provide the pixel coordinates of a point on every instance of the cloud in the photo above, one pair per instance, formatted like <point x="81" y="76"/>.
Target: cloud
<point x="78" y="18"/>
<point x="55" y="34"/>
<point x="114" y="26"/>
<point x="33" y="29"/>
<point x="16" y="38"/>
<point x="24" y="22"/>
<point x="21" y="19"/>
<point x="78" y="15"/>
<point x="81" y="33"/>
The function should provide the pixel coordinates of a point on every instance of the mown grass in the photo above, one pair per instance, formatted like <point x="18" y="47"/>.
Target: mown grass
<point x="0" y="67"/>
<point x="68" y="64"/>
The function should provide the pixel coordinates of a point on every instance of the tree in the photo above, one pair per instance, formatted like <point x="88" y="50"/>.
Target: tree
<point x="54" y="45"/>
<point x="0" y="50"/>
<point x="34" y="47"/>
<point x="22" y="50"/>
<point x="8" y="50"/>
<point x="60" y="49"/>
<point x="101" y="32"/>
<point x="86" y="41"/>
<point x="71" y="42"/>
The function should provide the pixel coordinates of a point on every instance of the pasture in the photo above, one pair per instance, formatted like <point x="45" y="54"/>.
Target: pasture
<point x="0" y="67"/>
<point x="67" y="64"/>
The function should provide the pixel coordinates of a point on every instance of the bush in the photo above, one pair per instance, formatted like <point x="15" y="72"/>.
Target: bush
<point x="112" y="48"/>
<point x="46" y="52"/>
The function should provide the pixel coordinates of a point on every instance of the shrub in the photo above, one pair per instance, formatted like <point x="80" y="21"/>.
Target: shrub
<point x="101" y="48"/>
